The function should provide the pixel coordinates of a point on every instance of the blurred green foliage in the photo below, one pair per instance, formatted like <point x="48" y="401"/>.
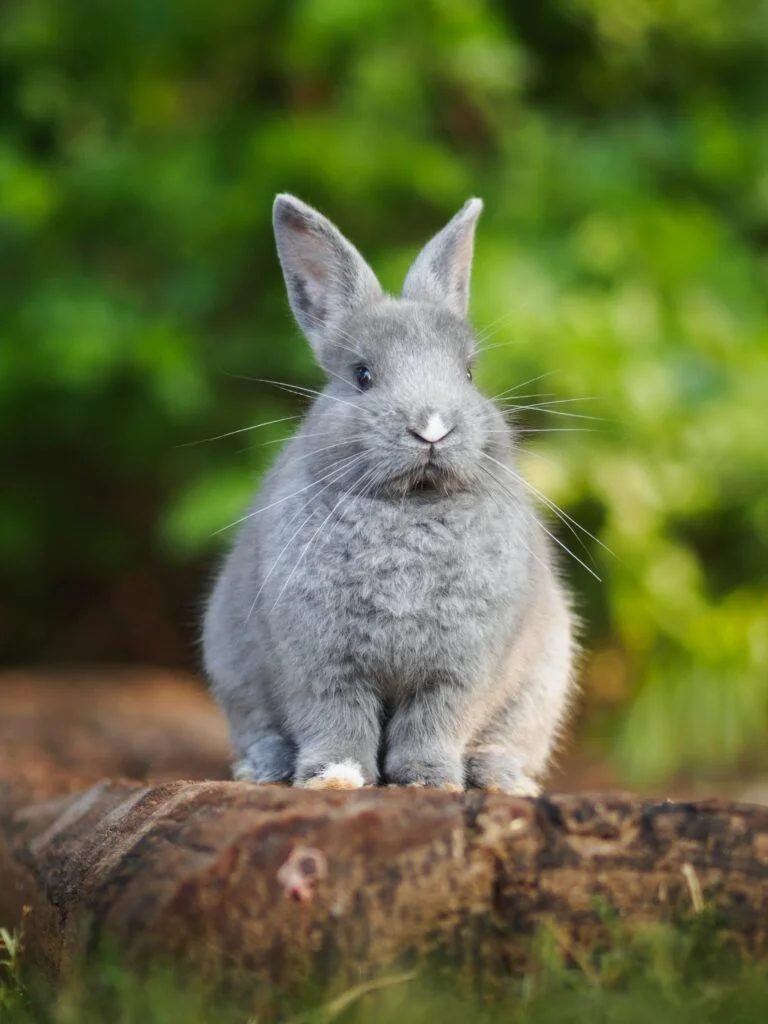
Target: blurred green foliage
<point x="622" y="150"/>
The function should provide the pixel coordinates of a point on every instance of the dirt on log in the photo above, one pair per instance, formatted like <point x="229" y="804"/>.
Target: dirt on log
<point x="287" y="885"/>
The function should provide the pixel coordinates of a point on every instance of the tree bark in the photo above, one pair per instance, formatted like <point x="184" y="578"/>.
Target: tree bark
<point x="287" y="885"/>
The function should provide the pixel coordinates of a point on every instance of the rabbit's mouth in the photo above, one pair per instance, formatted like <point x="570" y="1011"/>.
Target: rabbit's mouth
<point x="425" y="483"/>
<point x="429" y="478"/>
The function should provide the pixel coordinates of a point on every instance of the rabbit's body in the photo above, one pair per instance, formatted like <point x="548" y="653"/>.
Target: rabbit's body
<point x="389" y="611"/>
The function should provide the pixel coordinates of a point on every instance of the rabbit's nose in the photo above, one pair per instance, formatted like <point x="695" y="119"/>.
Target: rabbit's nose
<point x="434" y="430"/>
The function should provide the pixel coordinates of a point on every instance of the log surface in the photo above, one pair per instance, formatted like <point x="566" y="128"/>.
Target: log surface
<point x="288" y="884"/>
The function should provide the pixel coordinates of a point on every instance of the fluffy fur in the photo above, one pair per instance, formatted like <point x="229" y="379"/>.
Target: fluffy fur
<point x="390" y="604"/>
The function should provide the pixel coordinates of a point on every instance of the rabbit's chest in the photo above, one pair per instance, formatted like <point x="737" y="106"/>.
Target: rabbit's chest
<point x="426" y="595"/>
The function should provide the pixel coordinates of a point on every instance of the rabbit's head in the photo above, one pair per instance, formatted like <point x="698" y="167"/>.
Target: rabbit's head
<point x="400" y="392"/>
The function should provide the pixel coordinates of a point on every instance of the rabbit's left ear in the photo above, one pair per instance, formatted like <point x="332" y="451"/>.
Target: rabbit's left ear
<point x="442" y="268"/>
<point x="325" y="275"/>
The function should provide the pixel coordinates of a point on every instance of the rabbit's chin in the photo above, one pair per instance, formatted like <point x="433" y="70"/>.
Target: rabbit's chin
<point x="427" y="480"/>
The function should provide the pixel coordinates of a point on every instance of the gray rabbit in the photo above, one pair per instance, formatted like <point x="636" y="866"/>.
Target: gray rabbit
<point x="390" y="611"/>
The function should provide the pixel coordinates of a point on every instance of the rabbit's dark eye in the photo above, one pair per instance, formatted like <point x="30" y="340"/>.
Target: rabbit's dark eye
<point x="364" y="377"/>
<point x="469" y="373"/>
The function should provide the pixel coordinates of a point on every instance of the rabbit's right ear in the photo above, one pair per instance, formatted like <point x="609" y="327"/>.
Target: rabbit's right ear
<point x="441" y="271"/>
<point x="325" y="275"/>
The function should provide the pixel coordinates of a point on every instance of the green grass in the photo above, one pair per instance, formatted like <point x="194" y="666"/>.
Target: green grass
<point x="687" y="974"/>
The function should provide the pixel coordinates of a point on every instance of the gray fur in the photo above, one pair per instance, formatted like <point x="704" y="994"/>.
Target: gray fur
<point x="390" y="603"/>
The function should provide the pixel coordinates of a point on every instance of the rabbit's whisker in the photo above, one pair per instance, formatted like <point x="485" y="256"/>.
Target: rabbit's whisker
<point x="550" y="412"/>
<point x="241" y="430"/>
<point x="336" y="331"/>
<point x="556" y="401"/>
<point x="495" y="326"/>
<point x="498" y="344"/>
<point x="328" y="447"/>
<point x="501" y="508"/>
<point x="293" y="536"/>
<point x="308" y="545"/>
<point x="344" y="380"/>
<point x="525" y="383"/>
<point x="297" y="389"/>
<point x="282" y="440"/>
<point x="554" y="430"/>
<point x="336" y="474"/>
<point x="349" y="459"/>
<point x="292" y="389"/>
<point x="548" y="532"/>
<point x="517" y="398"/>
<point x="568" y="520"/>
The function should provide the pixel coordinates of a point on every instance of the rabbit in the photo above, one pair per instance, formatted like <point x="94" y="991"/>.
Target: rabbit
<point x="390" y="612"/>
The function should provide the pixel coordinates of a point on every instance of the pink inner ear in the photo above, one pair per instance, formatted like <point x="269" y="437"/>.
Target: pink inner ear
<point x="312" y="274"/>
<point x="313" y="254"/>
<point x="462" y="261"/>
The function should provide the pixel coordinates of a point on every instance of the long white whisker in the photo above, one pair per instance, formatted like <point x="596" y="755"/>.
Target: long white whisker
<point x="337" y="473"/>
<point x="551" y="412"/>
<point x="293" y="389"/>
<point x="348" y="348"/>
<point x="305" y="549"/>
<point x="241" y="430"/>
<point x="298" y="389"/>
<point x="337" y="331"/>
<point x="320" y="433"/>
<point x="569" y="521"/>
<point x="551" y="505"/>
<point x="549" y="533"/>
<point x="316" y="433"/>
<point x="532" y="380"/>
<point x="290" y="540"/>
<point x="345" y="380"/>
<point x="287" y="497"/>
<point x="547" y="430"/>
<point x="517" y="398"/>
<point x="495" y="326"/>
<point x="530" y="550"/>
<point x="272" y="568"/>
<point x="558" y="401"/>
<point x="328" y="447"/>
<point x="499" y="344"/>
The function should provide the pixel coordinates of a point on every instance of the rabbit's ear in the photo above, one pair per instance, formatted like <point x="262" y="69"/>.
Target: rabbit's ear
<point x="441" y="271"/>
<point x="325" y="275"/>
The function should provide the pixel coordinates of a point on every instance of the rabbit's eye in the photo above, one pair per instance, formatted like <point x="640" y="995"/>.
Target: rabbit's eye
<point x="364" y="377"/>
<point x="469" y="373"/>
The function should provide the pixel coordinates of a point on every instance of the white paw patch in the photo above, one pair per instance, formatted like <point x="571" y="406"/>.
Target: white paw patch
<point x="522" y="787"/>
<point x="243" y="772"/>
<point x="343" y="775"/>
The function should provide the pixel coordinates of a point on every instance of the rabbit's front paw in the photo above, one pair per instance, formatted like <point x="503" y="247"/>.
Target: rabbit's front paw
<point x="499" y="774"/>
<point x="442" y="771"/>
<point x="348" y="774"/>
<point x="269" y="759"/>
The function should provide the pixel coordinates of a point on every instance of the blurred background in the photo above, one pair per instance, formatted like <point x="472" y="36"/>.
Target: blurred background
<point x="621" y="147"/>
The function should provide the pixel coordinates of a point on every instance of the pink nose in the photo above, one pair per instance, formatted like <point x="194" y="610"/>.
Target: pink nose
<point x="434" y="430"/>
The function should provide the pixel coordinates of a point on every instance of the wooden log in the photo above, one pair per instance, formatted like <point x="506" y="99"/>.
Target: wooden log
<point x="285" y="886"/>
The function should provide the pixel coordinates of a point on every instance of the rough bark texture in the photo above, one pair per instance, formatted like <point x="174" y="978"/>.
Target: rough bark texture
<point x="288" y="884"/>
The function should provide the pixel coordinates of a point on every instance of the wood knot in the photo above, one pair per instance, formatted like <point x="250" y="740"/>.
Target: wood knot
<point x="301" y="872"/>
